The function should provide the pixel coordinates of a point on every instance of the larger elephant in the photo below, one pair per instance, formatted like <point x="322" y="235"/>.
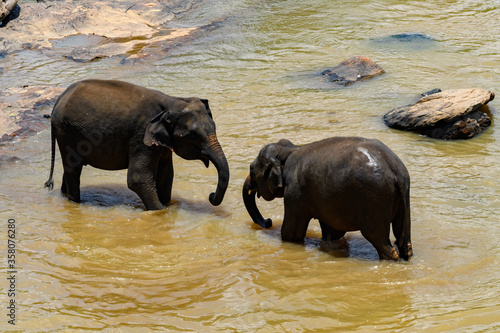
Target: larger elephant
<point x="115" y="125"/>
<point x="347" y="183"/>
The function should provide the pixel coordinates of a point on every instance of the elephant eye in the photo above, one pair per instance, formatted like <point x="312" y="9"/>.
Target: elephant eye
<point x="182" y="132"/>
<point x="267" y="172"/>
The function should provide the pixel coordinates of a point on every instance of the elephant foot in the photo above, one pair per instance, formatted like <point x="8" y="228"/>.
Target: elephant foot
<point x="72" y="198"/>
<point x="388" y="253"/>
<point x="406" y="252"/>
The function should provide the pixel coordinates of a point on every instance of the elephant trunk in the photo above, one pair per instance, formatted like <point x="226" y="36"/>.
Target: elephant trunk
<point x="218" y="159"/>
<point x="249" y="191"/>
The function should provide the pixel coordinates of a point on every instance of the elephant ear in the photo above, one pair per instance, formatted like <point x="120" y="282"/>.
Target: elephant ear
<point x="273" y="175"/>
<point x="156" y="132"/>
<point x="205" y="102"/>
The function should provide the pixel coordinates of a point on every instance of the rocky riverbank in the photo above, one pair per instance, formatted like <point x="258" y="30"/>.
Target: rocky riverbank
<point x="120" y="24"/>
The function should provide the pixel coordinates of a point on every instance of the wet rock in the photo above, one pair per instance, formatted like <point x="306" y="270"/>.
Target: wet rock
<point x="105" y="50"/>
<point x="447" y="115"/>
<point x="430" y="92"/>
<point x="23" y="110"/>
<point x="124" y="26"/>
<point x="6" y="7"/>
<point x="353" y="70"/>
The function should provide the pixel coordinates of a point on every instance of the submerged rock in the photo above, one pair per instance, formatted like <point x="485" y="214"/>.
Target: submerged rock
<point x="6" y="159"/>
<point x="447" y="115"/>
<point x="409" y="41"/>
<point x="353" y="70"/>
<point x="411" y="37"/>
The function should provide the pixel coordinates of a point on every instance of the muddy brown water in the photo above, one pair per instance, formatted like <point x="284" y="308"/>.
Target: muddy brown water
<point x="108" y="265"/>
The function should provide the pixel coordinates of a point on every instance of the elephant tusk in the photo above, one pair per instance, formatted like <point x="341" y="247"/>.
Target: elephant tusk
<point x="251" y="191"/>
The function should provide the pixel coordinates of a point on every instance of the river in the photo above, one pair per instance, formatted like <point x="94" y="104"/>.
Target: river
<point x="107" y="265"/>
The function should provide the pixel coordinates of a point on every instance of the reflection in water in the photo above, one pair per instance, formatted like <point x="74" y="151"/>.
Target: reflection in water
<point x="108" y="265"/>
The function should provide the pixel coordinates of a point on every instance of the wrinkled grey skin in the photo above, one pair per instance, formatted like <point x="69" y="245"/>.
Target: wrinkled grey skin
<point x="115" y="125"/>
<point x="347" y="183"/>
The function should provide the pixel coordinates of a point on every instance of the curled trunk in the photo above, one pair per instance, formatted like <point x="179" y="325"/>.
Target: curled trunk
<point x="249" y="192"/>
<point x="218" y="159"/>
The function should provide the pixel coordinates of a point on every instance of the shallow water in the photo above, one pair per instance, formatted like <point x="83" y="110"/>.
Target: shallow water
<point x="108" y="265"/>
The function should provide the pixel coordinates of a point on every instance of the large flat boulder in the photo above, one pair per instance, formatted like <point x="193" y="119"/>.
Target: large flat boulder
<point x="448" y="115"/>
<point x="124" y="27"/>
<point x="352" y="70"/>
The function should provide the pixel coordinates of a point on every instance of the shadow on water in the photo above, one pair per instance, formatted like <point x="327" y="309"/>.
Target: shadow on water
<point x="352" y="245"/>
<point x="112" y="195"/>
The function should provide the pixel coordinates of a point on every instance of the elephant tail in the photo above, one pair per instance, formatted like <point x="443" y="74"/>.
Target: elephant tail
<point x="401" y="225"/>
<point x="50" y="182"/>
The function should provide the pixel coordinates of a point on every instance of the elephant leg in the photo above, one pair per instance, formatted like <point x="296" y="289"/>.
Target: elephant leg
<point x="141" y="180"/>
<point x="72" y="165"/>
<point x="164" y="179"/>
<point x="71" y="183"/>
<point x="295" y="222"/>
<point x="401" y="226"/>
<point x="328" y="233"/>
<point x="64" y="189"/>
<point x="380" y="240"/>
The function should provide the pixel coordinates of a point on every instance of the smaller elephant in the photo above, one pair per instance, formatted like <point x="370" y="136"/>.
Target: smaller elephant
<point x="347" y="183"/>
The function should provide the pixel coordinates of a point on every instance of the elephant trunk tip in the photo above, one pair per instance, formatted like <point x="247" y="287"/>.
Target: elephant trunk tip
<point x="216" y="197"/>
<point x="212" y="199"/>
<point x="265" y="223"/>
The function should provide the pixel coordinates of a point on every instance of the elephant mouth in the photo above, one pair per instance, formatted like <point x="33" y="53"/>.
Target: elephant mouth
<point x="205" y="161"/>
<point x="252" y="191"/>
<point x="257" y="193"/>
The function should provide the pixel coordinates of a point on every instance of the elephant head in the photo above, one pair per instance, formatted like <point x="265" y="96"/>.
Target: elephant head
<point x="187" y="128"/>
<point x="266" y="178"/>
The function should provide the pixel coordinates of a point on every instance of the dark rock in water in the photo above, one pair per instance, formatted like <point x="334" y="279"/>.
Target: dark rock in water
<point x="353" y="70"/>
<point x="430" y="92"/>
<point x="465" y="127"/>
<point x="447" y="115"/>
